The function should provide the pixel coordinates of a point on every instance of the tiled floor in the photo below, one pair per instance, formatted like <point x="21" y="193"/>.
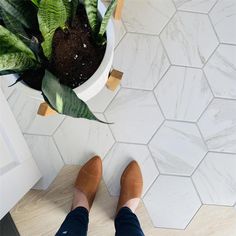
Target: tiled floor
<point x="175" y="111"/>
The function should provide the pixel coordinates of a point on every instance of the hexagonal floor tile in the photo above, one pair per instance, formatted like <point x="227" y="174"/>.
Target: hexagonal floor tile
<point x="223" y="16"/>
<point x="189" y="39"/>
<point x="80" y="139"/>
<point x="215" y="179"/>
<point x="183" y="93"/>
<point x="119" y="157"/>
<point x="139" y="15"/>
<point x="195" y="5"/>
<point x="25" y="110"/>
<point x="221" y="73"/>
<point x="5" y="82"/>
<point x="172" y="202"/>
<point x="47" y="158"/>
<point x="136" y="116"/>
<point x="100" y="102"/>
<point x="177" y="148"/>
<point x="218" y="125"/>
<point x="142" y="59"/>
<point x="119" y="31"/>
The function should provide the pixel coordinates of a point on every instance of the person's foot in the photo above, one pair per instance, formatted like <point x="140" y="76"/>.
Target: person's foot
<point x="87" y="182"/>
<point x="131" y="187"/>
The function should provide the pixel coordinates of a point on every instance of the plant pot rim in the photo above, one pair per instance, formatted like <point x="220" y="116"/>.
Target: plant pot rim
<point x="97" y="81"/>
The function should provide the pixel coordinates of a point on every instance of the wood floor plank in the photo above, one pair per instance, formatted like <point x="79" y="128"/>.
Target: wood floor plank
<point x="40" y="213"/>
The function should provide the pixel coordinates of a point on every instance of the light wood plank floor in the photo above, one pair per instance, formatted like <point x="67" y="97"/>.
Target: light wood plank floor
<point x="40" y="213"/>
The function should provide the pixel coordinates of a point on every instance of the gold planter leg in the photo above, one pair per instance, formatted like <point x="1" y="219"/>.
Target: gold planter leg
<point x="118" y="10"/>
<point x="114" y="80"/>
<point x="45" y="110"/>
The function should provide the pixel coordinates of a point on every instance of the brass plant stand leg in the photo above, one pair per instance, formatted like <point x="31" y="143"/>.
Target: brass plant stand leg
<point x="118" y="10"/>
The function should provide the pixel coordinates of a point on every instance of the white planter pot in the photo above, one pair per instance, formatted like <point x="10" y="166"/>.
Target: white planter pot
<point x="96" y="82"/>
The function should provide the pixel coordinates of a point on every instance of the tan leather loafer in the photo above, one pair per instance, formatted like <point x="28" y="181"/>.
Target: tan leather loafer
<point x="131" y="183"/>
<point x="89" y="178"/>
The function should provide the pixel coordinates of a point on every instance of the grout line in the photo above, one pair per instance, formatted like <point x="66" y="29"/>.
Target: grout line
<point x="151" y="185"/>
<point x="208" y="83"/>
<point x="212" y="7"/>
<point x="193" y="12"/>
<point x="196" y="190"/>
<point x="158" y="104"/>
<point x="210" y="20"/>
<point x="229" y="44"/>
<point x="222" y="152"/>
<point x="203" y="112"/>
<point x="33" y="134"/>
<point x="162" y="77"/>
<point x="153" y="158"/>
<point x="193" y="217"/>
<point x="181" y="121"/>
<point x="64" y="118"/>
<point x="110" y="129"/>
<point x="197" y="167"/>
<point x="54" y="141"/>
<point x="225" y="99"/>
<point x="148" y="143"/>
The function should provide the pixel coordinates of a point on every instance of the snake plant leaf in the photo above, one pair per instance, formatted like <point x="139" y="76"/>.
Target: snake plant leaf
<point x="92" y="14"/>
<point x="75" y="4"/>
<point x="10" y="43"/>
<point x="64" y="100"/>
<point x="23" y="11"/>
<point x="36" y="2"/>
<point x="13" y="24"/>
<point x="16" y="62"/>
<point x="51" y="15"/>
<point x="105" y="20"/>
<point x="71" y="8"/>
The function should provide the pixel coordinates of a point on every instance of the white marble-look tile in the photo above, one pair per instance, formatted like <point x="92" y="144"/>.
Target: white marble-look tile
<point x="177" y="148"/>
<point x="80" y="139"/>
<point x="221" y="71"/>
<point x="119" y="31"/>
<point x="215" y="179"/>
<point x="147" y="16"/>
<point x="5" y="82"/>
<point x="100" y="102"/>
<point x="223" y="18"/>
<point x="189" y="39"/>
<point x="119" y="157"/>
<point x="183" y="93"/>
<point x="136" y="116"/>
<point x="218" y="126"/>
<point x="47" y="158"/>
<point x="25" y="110"/>
<point x="142" y="59"/>
<point x="172" y="202"/>
<point x="203" y="6"/>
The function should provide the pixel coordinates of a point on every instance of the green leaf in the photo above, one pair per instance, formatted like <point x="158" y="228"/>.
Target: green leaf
<point x="75" y="4"/>
<point x="23" y="11"/>
<point x="64" y="100"/>
<point x="16" y="61"/>
<point x="51" y="15"/>
<point x="12" y="24"/>
<point x="91" y="7"/>
<point x="11" y="43"/>
<point x="106" y="19"/>
<point x="36" y="2"/>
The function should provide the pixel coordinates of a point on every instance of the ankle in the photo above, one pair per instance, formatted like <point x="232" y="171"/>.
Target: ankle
<point x="132" y="204"/>
<point x="79" y="200"/>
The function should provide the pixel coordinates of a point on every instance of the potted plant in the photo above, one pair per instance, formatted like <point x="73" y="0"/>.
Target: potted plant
<point x="61" y="50"/>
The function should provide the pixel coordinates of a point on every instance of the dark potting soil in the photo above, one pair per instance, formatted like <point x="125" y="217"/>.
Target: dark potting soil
<point x="75" y="55"/>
